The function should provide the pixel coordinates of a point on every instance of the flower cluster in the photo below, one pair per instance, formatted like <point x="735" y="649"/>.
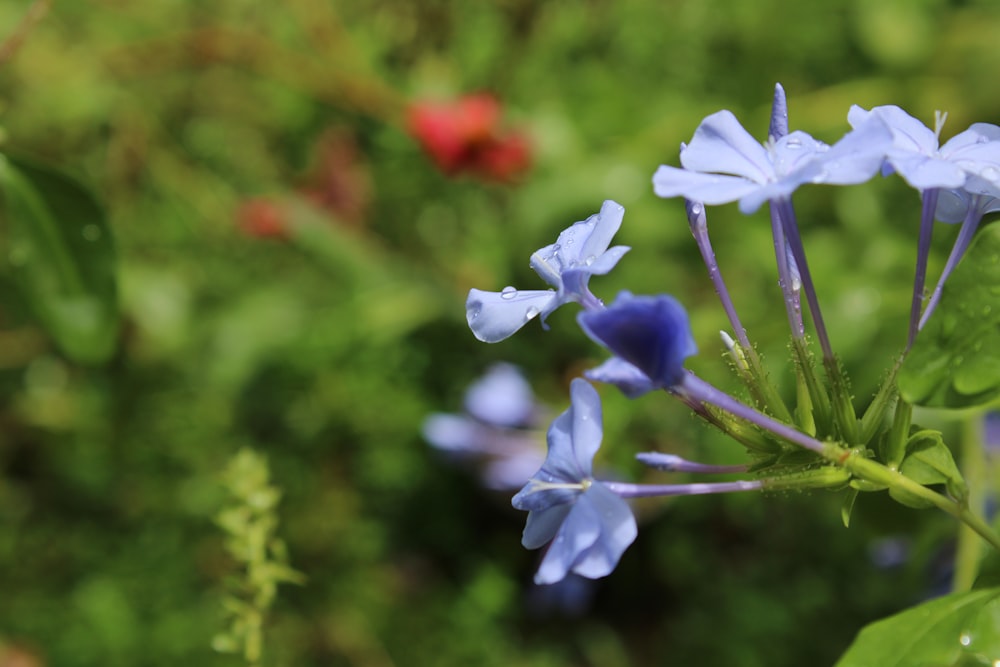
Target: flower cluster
<point x="821" y="442"/>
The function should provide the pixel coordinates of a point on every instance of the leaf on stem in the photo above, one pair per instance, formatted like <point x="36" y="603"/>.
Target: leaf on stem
<point x="963" y="628"/>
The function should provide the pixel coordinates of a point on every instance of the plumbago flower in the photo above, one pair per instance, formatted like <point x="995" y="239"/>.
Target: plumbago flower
<point x="724" y="163"/>
<point x="915" y="153"/>
<point x="499" y="428"/>
<point x="580" y="252"/>
<point x="588" y="525"/>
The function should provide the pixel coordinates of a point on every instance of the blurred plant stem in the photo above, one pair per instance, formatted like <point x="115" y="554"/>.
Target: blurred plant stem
<point x="13" y="42"/>
<point x="969" y="551"/>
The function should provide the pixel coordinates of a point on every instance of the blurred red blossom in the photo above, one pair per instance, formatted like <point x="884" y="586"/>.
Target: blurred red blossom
<point x="465" y="135"/>
<point x="262" y="218"/>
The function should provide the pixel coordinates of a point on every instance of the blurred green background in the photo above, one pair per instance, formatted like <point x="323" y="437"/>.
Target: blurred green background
<point x="324" y="348"/>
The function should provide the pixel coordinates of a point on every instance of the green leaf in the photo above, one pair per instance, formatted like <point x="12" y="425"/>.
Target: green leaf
<point x="955" y="361"/>
<point x="929" y="461"/>
<point x="61" y="256"/>
<point x="959" y="629"/>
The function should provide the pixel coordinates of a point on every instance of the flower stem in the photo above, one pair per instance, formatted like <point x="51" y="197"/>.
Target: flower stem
<point x="965" y="234"/>
<point x="626" y="490"/>
<point x="929" y="198"/>
<point x="786" y="213"/>
<point x="968" y="551"/>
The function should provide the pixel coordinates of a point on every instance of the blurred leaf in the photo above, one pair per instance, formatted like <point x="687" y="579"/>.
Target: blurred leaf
<point x="62" y="257"/>
<point x="963" y="628"/>
<point x="955" y="361"/>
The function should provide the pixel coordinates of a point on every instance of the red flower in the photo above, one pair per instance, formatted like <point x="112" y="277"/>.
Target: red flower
<point x="465" y="136"/>
<point x="262" y="218"/>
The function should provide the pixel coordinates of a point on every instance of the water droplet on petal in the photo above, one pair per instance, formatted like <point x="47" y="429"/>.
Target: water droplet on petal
<point x="474" y="313"/>
<point x="590" y="260"/>
<point x="990" y="173"/>
<point x="794" y="144"/>
<point x="531" y="312"/>
<point x="508" y="292"/>
<point x="696" y="209"/>
<point x="821" y="177"/>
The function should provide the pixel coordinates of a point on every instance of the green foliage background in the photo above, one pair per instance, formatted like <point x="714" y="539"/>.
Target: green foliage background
<point x="326" y="351"/>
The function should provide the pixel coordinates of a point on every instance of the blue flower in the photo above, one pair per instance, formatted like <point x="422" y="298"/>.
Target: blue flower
<point x="630" y="380"/>
<point x="580" y="252"/>
<point x="588" y="525"/>
<point x="916" y="155"/>
<point x="652" y="333"/>
<point x="724" y="163"/>
<point x="498" y="429"/>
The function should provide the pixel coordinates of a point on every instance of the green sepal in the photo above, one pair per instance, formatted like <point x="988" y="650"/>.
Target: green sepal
<point x="958" y="629"/>
<point x="847" y="507"/>
<point x="955" y="360"/>
<point x="806" y="370"/>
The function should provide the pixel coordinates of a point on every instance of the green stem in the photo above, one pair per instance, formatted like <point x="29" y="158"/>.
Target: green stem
<point x="876" y="472"/>
<point x="968" y="552"/>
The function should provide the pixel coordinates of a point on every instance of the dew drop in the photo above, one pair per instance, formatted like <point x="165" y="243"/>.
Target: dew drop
<point x="531" y="312"/>
<point x="90" y="232"/>
<point x="990" y="173"/>
<point x="695" y="209"/>
<point x="474" y="313"/>
<point x="965" y="639"/>
<point x="508" y="292"/>
<point x="590" y="260"/>
<point x="794" y="144"/>
<point x="821" y="177"/>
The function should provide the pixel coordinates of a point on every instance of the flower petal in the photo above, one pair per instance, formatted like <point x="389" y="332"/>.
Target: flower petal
<point x="604" y="227"/>
<point x="587" y="424"/>
<point x="618" y="531"/>
<point x="650" y="332"/>
<point x="721" y="145"/>
<point x="607" y="261"/>
<point x="543" y="525"/>
<point x="579" y="531"/>
<point x="630" y="380"/>
<point x="711" y="189"/>
<point x="502" y="397"/>
<point x="494" y="316"/>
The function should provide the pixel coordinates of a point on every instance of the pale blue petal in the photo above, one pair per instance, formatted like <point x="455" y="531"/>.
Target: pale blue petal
<point x="924" y="173"/>
<point x="451" y="432"/>
<point x="630" y="380"/>
<point x="542" y="526"/>
<point x="604" y="263"/>
<point x="547" y="263"/>
<point x="605" y="225"/>
<point x="857" y="157"/>
<point x="721" y="145"/>
<point x="793" y="152"/>
<point x="512" y="472"/>
<point x="502" y="397"/>
<point x="908" y="133"/>
<point x="783" y="189"/>
<point x="710" y="189"/>
<point x="618" y="531"/>
<point x="587" y="424"/>
<point x="561" y="463"/>
<point x="988" y="130"/>
<point x="952" y="205"/>
<point x="494" y="316"/>
<point x="579" y="531"/>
